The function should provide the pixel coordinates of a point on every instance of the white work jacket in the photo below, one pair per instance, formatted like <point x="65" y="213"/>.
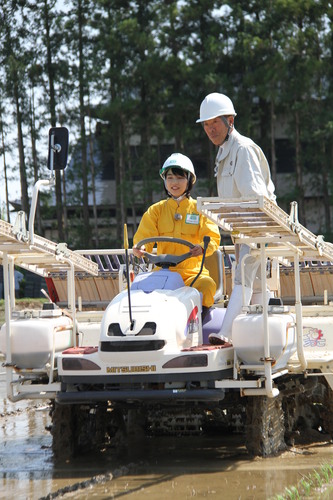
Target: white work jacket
<point x="242" y="169"/>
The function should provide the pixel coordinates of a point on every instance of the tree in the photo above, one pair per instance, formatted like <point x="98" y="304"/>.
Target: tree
<point x="14" y="61"/>
<point x="79" y="44"/>
<point x="3" y="152"/>
<point x="141" y="69"/>
<point x="50" y="41"/>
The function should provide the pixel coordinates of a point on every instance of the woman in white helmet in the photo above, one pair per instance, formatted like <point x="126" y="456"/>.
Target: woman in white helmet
<point x="242" y="171"/>
<point x="177" y="216"/>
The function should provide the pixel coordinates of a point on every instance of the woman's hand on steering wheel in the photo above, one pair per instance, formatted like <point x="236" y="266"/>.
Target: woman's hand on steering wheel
<point x="139" y="252"/>
<point x="196" y="251"/>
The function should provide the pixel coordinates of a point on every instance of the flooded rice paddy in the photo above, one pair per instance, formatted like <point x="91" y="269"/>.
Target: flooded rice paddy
<point x="152" y="468"/>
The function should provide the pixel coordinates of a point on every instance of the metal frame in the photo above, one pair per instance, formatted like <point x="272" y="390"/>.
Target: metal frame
<point x="256" y="222"/>
<point x="42" y="257"/>
<point x="270" y="233"/>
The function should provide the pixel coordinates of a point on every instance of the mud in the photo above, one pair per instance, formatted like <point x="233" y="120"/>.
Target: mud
<point x="154" y="468"/>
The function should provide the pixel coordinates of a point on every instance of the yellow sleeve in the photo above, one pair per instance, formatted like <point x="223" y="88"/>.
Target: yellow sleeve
<point x="209" y="228"/>
<point x="148" y="226"/>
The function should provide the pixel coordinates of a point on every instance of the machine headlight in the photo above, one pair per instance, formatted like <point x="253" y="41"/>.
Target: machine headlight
<point x="79" y="364"/>
<point x="187" y="361"/>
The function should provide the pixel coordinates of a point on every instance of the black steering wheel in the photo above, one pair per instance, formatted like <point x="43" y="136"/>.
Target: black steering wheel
<point x="165" y="260"/>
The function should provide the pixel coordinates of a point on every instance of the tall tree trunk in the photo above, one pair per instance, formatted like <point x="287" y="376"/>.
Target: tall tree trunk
<point x="93" y="184"/>
<point x="5" y="168"/>
<point x="326" y="194"/>
<point x="120" y="191"/>
<point x="64" y="201"/>
<point x="52" y="109"/>
<point x="299" y="172"/>
<point x="130" y="184"/>
<point x="273" y="151"/>
<point x="34" y="156"/>
<point x="145" y="147"/>
<point x="23" y="173"/>
<point x="65" y="215"/>
<point x="86" y="235"/>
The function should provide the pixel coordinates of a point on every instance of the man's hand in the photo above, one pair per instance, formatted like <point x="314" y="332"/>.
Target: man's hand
<point x="139" y="252"/>
<point x="196" y="251"/>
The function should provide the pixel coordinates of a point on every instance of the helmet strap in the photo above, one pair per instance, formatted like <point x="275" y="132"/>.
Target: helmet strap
<point x="227" y="124"/>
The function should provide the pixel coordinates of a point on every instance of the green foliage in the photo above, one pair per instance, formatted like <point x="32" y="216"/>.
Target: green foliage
<point x="112" y="70"/>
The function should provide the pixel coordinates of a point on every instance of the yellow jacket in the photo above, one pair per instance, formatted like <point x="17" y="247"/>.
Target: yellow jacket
<point x="159" y="220"/>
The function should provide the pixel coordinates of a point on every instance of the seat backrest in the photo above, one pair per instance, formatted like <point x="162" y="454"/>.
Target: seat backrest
<point x="214" y="264"/>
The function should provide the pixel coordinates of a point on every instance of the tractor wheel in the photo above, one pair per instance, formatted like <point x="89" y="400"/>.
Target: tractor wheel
<point x="327" y="414"/>
<point x="62" y="431"/>
<point x="78" y="429"/>
<point x="264" y="426"/>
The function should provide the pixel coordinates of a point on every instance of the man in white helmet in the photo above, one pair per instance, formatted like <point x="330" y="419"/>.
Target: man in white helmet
<point x="242" y="171"/>
<point x="177" y="216"/>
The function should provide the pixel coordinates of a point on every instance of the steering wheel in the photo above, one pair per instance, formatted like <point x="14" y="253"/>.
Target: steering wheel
<point x="166" y="260"/>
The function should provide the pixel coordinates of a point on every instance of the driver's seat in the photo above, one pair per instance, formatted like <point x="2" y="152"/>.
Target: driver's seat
<point x="214" y="264"/>
<point x="163" y="280"/>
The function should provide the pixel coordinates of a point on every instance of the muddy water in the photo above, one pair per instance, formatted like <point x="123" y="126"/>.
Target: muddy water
<point x="155" y="468"/>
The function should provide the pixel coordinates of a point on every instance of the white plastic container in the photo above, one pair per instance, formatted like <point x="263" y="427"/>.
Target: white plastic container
<point x="248" y="338"/>
<point x="33" y="340"/>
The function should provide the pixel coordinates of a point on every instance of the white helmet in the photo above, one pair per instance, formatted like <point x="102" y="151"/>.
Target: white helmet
<point x="215" y="105"/>
<point x="177" y="160"/>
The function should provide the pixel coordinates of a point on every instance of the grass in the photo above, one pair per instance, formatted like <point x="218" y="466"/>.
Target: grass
<point x="311" y="486"/>
<point x="25" y="303"/>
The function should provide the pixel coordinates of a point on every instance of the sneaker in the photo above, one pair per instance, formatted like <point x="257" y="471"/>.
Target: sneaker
<point x="216" y="339"/>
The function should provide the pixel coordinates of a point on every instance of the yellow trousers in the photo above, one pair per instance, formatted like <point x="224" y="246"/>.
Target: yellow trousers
<point x="206" y="285"/>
